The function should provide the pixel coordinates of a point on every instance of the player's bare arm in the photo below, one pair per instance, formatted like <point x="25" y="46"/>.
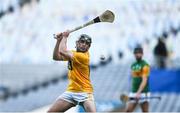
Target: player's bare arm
<point x="63" y="47"/>
<point x="56" y="54"/>
<point x="142" y="86"/>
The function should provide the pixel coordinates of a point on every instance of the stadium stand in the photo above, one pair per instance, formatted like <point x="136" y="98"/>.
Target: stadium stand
<point x="23" y="78"/>
<point x="109" y="82"/>
<point x="9" y="6"/>
<point x="30" y="29"/>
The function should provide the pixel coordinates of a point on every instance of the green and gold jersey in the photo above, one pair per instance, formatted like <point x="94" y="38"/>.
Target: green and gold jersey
<point x="139" y="69"/>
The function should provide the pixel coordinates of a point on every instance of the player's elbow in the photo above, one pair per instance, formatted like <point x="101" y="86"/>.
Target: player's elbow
<point x="62" y="52"/>
<point x="55" y="57"/>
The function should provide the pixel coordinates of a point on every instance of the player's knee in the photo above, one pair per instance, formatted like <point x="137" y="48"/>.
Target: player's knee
<point x="145" y="110"/>
<point x="90" y="109"/>
<point x="128" y="110"/>
<point x="51" y="110"/>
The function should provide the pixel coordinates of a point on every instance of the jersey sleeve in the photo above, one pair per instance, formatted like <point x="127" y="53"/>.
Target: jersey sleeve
<point x="66" y="59"/>
<point x="79" y="58"/>
<point x="146" y="70"/>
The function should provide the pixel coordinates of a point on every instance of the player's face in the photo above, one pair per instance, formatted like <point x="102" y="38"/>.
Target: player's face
<point x="82" y="46"/>
<point x="138" y="55"/>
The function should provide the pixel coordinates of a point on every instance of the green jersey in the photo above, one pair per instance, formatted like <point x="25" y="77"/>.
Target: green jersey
<point x="139" y="69"/>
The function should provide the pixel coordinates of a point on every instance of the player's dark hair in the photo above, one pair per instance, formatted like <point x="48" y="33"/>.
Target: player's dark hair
<point x="138" y="50"/>
<point x="86" y="38"/>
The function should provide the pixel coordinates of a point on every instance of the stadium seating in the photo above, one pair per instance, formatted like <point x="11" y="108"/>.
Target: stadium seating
<point x="109" y="82"/>
<point x="26" y="35"/>
<point x="23" y="78"/>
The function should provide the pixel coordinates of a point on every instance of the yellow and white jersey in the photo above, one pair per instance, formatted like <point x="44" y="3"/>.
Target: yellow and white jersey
<point x="79" y="73"/>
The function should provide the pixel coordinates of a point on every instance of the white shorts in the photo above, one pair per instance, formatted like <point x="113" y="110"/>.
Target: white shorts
<point x="76" y="98"/>
<point x="132" y="95"/>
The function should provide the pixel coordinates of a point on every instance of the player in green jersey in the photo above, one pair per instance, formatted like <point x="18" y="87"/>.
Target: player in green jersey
<point x="139" y="88"/>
